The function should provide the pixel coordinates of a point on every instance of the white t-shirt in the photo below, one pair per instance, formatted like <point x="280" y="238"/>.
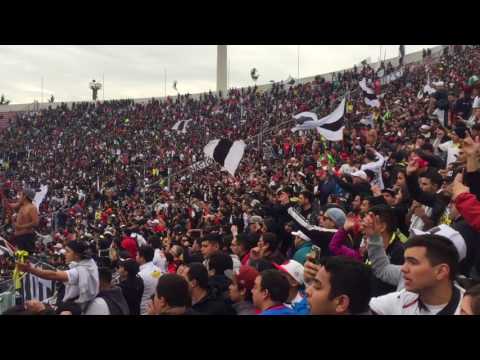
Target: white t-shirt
<point x="97" y="307"/>
<point x="160" y="261"/>
<point x="150" y="275"/>
<point x="476" y="102"/>
<point x="451" y="149"/>
<point x="405" y="302"/>
<point x="236" y="263"/>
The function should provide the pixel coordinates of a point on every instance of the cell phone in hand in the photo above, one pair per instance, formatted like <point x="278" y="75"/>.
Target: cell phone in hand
<point x="314" y="255"/>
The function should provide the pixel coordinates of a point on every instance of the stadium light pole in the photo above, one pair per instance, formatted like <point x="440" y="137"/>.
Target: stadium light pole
<point x="222" y="68"/>
<point x="165" y="83"/>
<point x="298" y="63"/>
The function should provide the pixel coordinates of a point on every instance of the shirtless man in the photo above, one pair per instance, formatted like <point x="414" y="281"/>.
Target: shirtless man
<point x="27" y="219"/>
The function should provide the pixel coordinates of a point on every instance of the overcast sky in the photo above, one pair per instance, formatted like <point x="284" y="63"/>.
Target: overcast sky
<point x="136" y="71"/>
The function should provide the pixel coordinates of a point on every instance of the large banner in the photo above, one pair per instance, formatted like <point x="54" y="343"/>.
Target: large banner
<point x="34" y="288"/>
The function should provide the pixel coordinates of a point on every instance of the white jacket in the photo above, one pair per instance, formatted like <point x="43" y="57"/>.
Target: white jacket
<point x="150" y="275"/>
<point x="407" y="303"/>
<point x="376" y="167"/>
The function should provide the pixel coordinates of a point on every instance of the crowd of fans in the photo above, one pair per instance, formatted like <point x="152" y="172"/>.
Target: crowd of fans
<point x="386" y="221"/>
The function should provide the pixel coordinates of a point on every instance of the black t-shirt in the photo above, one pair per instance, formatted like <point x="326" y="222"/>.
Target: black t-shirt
<point x="132" y="290"/>
<point x="442" y="99"/>
<point x="209" y="305"/>
<point x="463" y="107"/>
<point x="473" y="246"/>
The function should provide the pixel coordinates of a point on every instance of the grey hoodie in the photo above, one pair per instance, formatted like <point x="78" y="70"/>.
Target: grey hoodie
<point x="88" y="282"/>
<point x="381" y="267"/>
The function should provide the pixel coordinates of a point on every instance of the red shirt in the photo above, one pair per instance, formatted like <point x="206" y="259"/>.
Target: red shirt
<point x="104" y="218"/>
<point x="245" y="259"/>
<point x="129" y="244"/>
<point x="172" y="268"/>
<point x="298" y="148"/>
<point x="159" y="228"/>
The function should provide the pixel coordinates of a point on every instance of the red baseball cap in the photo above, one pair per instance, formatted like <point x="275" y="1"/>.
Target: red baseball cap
<point x="245" y="278"/>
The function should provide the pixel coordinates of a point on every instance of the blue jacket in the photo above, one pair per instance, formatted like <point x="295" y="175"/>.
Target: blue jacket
<point x="301" y="308"/>
<point x="279" y="310"/>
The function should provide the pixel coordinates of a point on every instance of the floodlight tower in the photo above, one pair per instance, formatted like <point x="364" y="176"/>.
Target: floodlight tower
<point x="95" y="86"/>
<point x="222" y="68"/>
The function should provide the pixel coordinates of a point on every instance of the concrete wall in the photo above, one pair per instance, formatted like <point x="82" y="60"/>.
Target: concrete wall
<point x="409" y="58"/>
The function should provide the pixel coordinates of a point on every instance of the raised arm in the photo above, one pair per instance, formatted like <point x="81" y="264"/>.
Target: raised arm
<point x="44" y="274"/>
<point x="337" y="248"/>
<point x="381" y="267"/>
<point x="376" y="164"/>
<point x="413" y="187"/>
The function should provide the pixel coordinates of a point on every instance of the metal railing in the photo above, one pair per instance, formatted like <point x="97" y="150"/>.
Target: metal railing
<point x="31" y="287"/>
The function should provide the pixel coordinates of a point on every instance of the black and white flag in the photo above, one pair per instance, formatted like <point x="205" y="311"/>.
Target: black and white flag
<point x="181" y="126"/>
<point x="369" y="94"/>
<point x="330" y="127"/>
<point x="391" y="77"/>
<point x="35" y="288"/>
<point x="40" y="196"/>
<point x="427" y="89"/>
<point x="226" y="153"/>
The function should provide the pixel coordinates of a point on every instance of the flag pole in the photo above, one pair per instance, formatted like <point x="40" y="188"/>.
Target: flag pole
<point x="298" y="63"/>
<point x="165" y="83"/>
<point x="103" y="86"/>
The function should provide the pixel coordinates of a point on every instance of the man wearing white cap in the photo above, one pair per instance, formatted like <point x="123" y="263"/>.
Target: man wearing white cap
<point x="303" y="245"/>
<point x="358" y="186"/>
<point x="297" y="300"/>
<point x="431" y="263"/>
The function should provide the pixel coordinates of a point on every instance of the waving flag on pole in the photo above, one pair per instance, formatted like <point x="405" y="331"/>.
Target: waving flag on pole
<point x="181" y="126"/>
<point x="226" y="153"/>
<point x="40" y="196"/>
<point x="305" y="116"/>
<point x="391" y="77"/>
<point x="369" y="94"/>
<point x="427" y="89"/>
<point x="330" y="126"/>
